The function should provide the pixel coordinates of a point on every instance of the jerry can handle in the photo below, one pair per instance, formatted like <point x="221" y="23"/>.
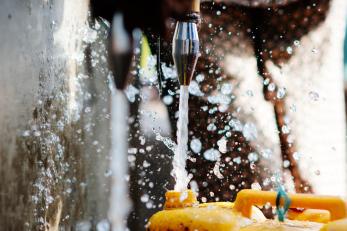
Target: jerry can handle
<point x="246" y="198"/>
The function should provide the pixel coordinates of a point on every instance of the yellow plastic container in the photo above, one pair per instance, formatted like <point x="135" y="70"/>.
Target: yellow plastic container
<point x="182" y="212"/>
<point x="319" y="210"/>
<point x="339" y="225"/>
<point x="316" y="215"/>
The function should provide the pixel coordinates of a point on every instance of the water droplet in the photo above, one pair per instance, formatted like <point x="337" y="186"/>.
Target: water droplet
<point x="34" y="199"/>
<point x="169" y="72"/>
<point x="144" y="198"/>
<point x="285" y="129"/>
<point x="216" y="170"/>
<point x="132" y="150"/>
<point x="249" y="93"/>
<point x="168" y="99"/>
<point x="131" y="93"/>
<point x="204" y="108"/>
<point x="226" y="88"/>
<point x="222" y="145"/>
<point x="237" y="160"/>
<point x="108" y="173"/>
<point x="271" y="87"/>
<point x="218" y="12"/>
<point x="256" y="186"/>
<point x="286" y="163"/>
<point x="266" y="81"/>
<point x="293" y="108"/>
<point x="250" y="132"/>
<point x="314" y="95"/>
<point x="194" y="89"/>
<point x="211" y="127"/>
<point x="212" y="154"/>
<point x="103" y="225"/>
<point x="297" y="155"/>
<point x="314" y="50"/>
<point x="290" y="50"/>
<point x="167" y="141"/>
<point x="87" y="110"/>
<point x="26" y="133"/>
<point x="297" y="43"/>
<point x="195" y="145"/>
<point x="236" y="125"/>
<point x="281" y="92"/>
<point x="149" y="205"/>
<point x="199" y="78"/>
<point x="253" y="157"/>
<point x="183" y="196"/>
<point x="131" y="158"/>
<point x="232" y="187"/>
<point x="266" y="153"/>
<point x="194" y="186"/>
<point x="83" y="226"/>
<point x="146" y="164"/>
<point x="49" y="199"/>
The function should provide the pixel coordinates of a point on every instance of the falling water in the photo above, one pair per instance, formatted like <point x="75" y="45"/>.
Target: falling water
<point x="119" y="202"/>
<point x="180" y="157"/>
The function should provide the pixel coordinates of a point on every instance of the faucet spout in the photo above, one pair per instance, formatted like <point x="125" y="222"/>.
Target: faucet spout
<point x="120" y="51"/>
<point x="185" y="45"/>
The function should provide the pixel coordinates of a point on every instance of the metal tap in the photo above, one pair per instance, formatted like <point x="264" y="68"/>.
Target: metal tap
<point x="185" y="44"/>
<point x="120" y="51"/>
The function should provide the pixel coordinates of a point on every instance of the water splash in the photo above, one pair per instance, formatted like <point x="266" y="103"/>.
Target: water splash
<point x="179" y="161"/>
<point x="170" y="144"/>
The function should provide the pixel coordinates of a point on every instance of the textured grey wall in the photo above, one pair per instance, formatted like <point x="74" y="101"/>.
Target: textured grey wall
<point x="53" y="117"/>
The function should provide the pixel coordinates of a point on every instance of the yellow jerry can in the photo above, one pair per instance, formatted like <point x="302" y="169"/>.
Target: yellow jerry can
<point x="317" y="210"/>
<point x="339" y="225"/>
<point x="182" y="212"/>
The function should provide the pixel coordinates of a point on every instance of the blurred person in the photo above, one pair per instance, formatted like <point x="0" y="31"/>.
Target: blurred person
<point x="267" y="97"/>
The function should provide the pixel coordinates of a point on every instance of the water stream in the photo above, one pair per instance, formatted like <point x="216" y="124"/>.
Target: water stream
<point x="119" y="201"/>
<point x="179" y="161"/>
